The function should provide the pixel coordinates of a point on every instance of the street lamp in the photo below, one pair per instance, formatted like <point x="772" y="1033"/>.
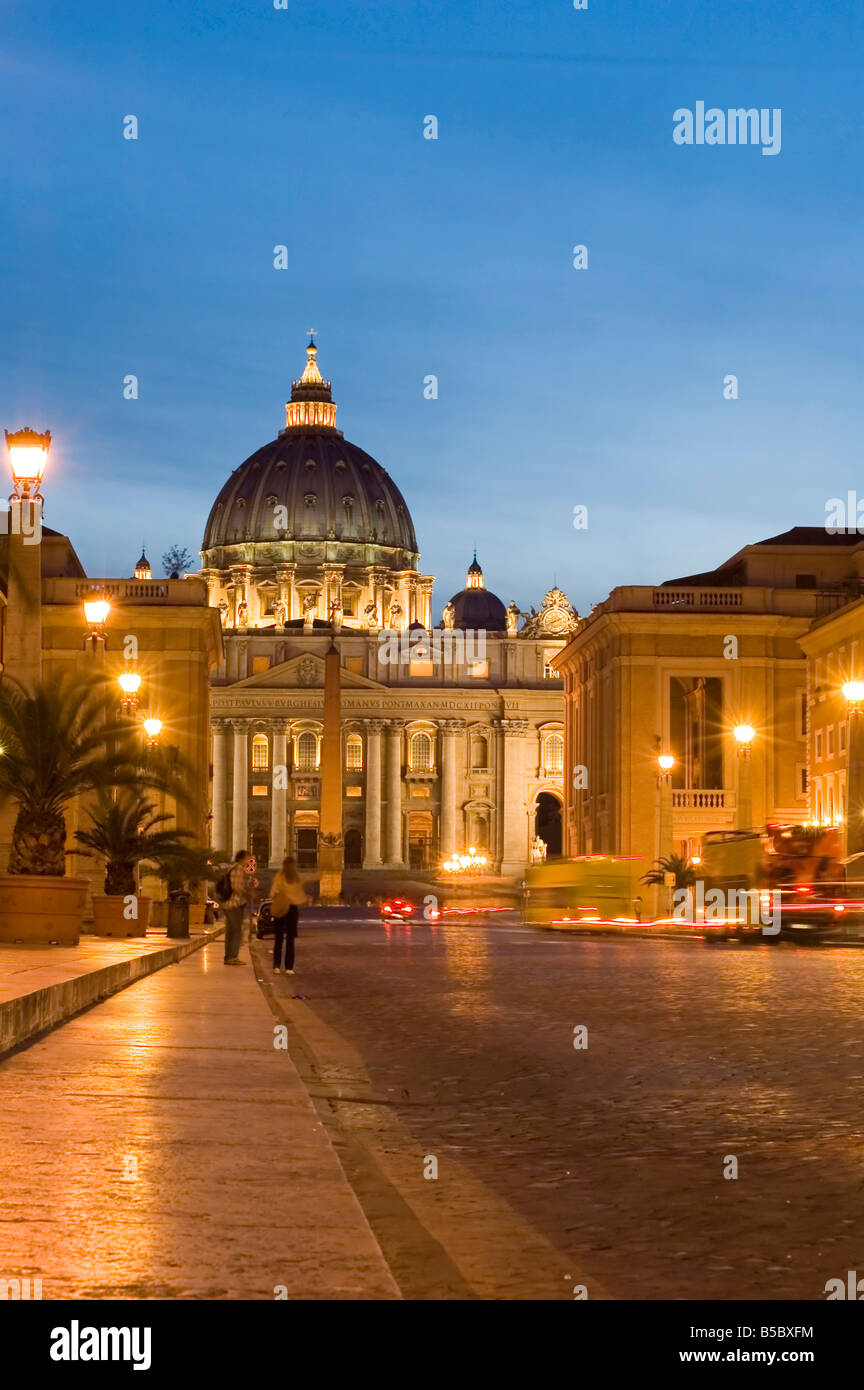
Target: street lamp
<point x="152" y="728"/>
<point x="665" y="762"/>
<point x="96" y="610"/>
<point x="744" y="735"/>
<point x="28" y="455"/>
<point x="472" y="862"/>
<point x="853" y="692"/>
<point x="130" y="684"/>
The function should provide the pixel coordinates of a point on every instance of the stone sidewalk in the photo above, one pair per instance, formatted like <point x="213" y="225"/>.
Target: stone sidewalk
<point x="41" y="986"/>
<point x="161" y="1146"/>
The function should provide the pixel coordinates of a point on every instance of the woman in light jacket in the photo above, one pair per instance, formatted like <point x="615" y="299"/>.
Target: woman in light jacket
<point x="286" y="898"/>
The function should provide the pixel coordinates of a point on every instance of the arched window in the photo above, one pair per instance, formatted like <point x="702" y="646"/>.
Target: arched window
<point x="420" y="753"/>
<point x="354" y="753"/>
<point x="479" y="751"/>
<point x="307" y="753"/>
<point x="260" y="753"/>
<point x="553" y="753"/>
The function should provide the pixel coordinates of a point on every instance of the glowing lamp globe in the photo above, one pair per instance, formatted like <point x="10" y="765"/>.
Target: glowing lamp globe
<point x="666" y="762"/>
<point x="96" y="612"/>
<point x="28" y="455"/>
<point x="744" y="734"/>
<point x="853" y="692"/>
<point x="152" y="728"/>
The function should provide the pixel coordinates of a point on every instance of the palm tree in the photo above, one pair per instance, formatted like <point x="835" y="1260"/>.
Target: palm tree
<point x="57" y="744"/>
<point x="184" y="867"/>
<point x="125" y="833"/>
<point x="677" y="864"/>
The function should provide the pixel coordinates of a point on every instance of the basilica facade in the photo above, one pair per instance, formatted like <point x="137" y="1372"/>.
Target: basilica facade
<point x="452" y="730"/>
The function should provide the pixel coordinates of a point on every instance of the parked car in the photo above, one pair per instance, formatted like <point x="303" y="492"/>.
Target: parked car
<point x="263" y="920"/>
<point x="396" y="910"/>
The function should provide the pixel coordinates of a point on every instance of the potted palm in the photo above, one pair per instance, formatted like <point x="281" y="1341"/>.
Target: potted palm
<point x="57" y="745"/>
<point x="126" y="830"/>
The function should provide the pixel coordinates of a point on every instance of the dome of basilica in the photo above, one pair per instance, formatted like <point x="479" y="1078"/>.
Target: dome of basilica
<point x="475" y="607"/>
<point x="310" y="495"/>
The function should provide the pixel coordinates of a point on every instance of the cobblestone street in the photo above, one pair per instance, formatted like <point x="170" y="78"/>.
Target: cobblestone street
<point x="557" y="1164"/>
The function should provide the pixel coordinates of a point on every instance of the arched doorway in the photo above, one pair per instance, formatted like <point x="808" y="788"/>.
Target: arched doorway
<point x="353" y="848"/>
<point x="547" y="823"/>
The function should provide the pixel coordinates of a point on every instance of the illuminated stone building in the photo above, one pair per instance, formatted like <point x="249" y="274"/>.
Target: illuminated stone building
<point x="673" y="669"/>
<point x="449" y="740"/>
<point x="162" y="629"/>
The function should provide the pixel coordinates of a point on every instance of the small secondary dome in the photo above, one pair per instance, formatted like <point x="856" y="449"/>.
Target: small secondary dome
<point x="475" y="607"/>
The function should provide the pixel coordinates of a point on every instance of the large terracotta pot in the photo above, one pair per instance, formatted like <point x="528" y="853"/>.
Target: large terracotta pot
<point x="49" y="910"/>
<point x="109" y="919"/>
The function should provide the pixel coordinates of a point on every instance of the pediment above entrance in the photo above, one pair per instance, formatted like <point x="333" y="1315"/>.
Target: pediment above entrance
<point x="302" y="672"/>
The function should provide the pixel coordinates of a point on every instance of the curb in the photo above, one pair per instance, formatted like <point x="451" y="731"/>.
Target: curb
<point x="28" y="1016"/>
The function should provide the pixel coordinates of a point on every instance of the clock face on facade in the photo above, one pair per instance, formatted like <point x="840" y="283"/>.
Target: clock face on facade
<point x="554" y="620"/>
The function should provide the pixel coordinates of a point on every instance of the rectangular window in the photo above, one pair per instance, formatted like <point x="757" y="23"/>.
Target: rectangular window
<point x="801" y="769"/>
<point x="260" y="791"/>
<point x="478" y="670"/>
<point x="829" y="736"/>
<point x="354" y="664"/>
<point x="259" y="664"/>
<point x="841" y="735"/>
<point x="353" y="791"/>
<point x="802" y="714"/>
<point x="818" y="745"/>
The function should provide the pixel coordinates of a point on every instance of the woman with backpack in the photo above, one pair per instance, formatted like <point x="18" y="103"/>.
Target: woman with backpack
<point x="286" y="898"/>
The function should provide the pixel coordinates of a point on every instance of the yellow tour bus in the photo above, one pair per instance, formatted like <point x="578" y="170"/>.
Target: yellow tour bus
<point x="568" y="893"/>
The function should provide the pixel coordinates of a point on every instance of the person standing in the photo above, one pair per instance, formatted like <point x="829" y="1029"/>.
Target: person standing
<point x="286" y="899"/>
<point x="235" y="907"/>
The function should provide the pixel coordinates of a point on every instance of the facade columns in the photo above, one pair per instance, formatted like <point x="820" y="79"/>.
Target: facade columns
<point x="279" y="795"/>
<point x="372" y="857"/>
<point x="448" y="832"/>
<point x="219" y="803"/>
<point x="240" y="823"/>
<point x="394" y="792"/>
<point x="514" y="819"/>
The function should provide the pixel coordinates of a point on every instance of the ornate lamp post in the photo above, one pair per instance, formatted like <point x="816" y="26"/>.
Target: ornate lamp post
<point x="152" y="728"/>
<point x="130" y="684"/>
<point x="665" y="764"/>
<point x="853" y="694"/>
<point x="743" y="735"/>
<point x="470" y="863"/>
<point x="28" y="455"/>
<point x="97" y="608"/>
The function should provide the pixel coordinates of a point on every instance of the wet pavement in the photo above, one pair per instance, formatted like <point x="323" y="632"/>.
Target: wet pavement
<point x="601" y="1164"/>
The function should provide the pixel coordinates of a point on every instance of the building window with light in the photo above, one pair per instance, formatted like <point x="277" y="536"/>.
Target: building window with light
<point x="354" y="753"/>
<point x="420" y="753"/>
<point x="307" y="752"/>
<point x="260" y="753"/>
<point x="818" y="745"/>
<point x="553" y="753"/>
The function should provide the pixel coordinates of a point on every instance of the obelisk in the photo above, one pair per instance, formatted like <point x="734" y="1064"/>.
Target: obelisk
<point x="330" y="850"/>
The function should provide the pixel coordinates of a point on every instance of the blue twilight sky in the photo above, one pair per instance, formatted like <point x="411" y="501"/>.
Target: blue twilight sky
<point x="304" y="126"/>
